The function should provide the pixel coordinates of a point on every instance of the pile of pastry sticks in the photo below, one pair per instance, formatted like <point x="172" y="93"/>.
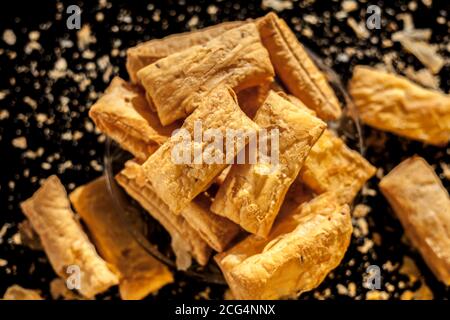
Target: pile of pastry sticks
<point x="276" y="235"/>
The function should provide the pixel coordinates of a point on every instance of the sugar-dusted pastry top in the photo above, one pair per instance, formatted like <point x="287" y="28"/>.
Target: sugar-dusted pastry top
<point x="300" y="251"/>
<point x="393" y="103"/>
<point x="176" y="84"/>
<point x="123" y="114"/>
<point x="422" y="204"/>
<point x="333" y="166"/>
<point x="140" y="273"/>
<point x="150" y="51"/>
<point x="296" y="69"/>
<point x="186" y="241"/>
<point x="179" y="183"/>
<point x="252" y="194"/>
<point x="63" y="239"/>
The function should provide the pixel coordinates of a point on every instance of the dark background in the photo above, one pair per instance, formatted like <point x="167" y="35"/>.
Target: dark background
<point x="27" y="74"/>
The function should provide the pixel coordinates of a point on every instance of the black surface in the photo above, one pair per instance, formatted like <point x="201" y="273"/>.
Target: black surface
<point x="30" y="268"/>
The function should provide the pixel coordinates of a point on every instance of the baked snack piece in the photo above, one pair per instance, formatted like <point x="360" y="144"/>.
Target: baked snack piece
<point x="177" y="84"/>
<point x="63" y="239"/>
<point x="217" y="231"/>
<point x="296" y="69"/>
<point x="252" y="194"/>
<point x="422" y="204"/>
<point x="123" y="114"/>
<point x="186" y="242"/>
<point x="393" y="103"/>
<point x="150" y="51"/>
<point x="300" y="251"/>
<point x="16" y="292"/>
<point x="332" y="166"/>
<point x="140" y="273"/>
<point x="177" y="184"/>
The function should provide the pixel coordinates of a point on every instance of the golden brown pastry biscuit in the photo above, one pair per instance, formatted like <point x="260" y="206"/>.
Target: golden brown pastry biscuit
<point x="332" y="166"/>
<point x="16" y="292"/>
<point x="123" y="114"/>
<point x="251" y="195"/>
<point x="177" y="184"/>
<point x="148" y="52"/>
<point x="300" y="251"/>
<point x="186" y="241"/>
<point x="141" y="274"/>
<point x="422" y="204"/>
<point x="393" y="103"/>
<point x="63" y="239"/>
<point x="296" y="69"/>
<point x="178" y="83"/>
<point x="215" y="230"/>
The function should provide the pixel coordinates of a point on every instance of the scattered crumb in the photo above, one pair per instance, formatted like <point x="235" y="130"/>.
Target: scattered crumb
<point x="19" y="142"/>
<point x="4" y="114"/>
<point x="349" y="5"/>
<point x="361" y="210"/>
<point x="29" y="101"/>
<point x="377" y="295"/>
<point x="415" y="41"/>
<point x="445" y="170"/>
<point x="423" y="77"/>
<point x="366" y="246"/>
<point x="277" y="5"/>
<point x="359" y="28"/>
<point x="3" y="262"/>
<point x="9" y="37"/>
<point x="84" y="37"/>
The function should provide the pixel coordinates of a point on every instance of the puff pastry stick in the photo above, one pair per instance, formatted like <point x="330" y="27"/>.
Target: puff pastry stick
<point x="177" y="83"/>
<point x="177" y="184"/>
<point x="215" y="230"/>
<point x="332" y="166"/>
<point x="123" y="114"/>
<point x="395" y="104"/>
<point x="300" y="251"/>
<point x="141" y="274"/>
<point x="296" y="69"/>
<point x="186" y="241"/>
<point x="423" y="206"/>
<point x="63" y="239"/>
<point x="252" y="196"/>
<point x="148" y="52"/>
